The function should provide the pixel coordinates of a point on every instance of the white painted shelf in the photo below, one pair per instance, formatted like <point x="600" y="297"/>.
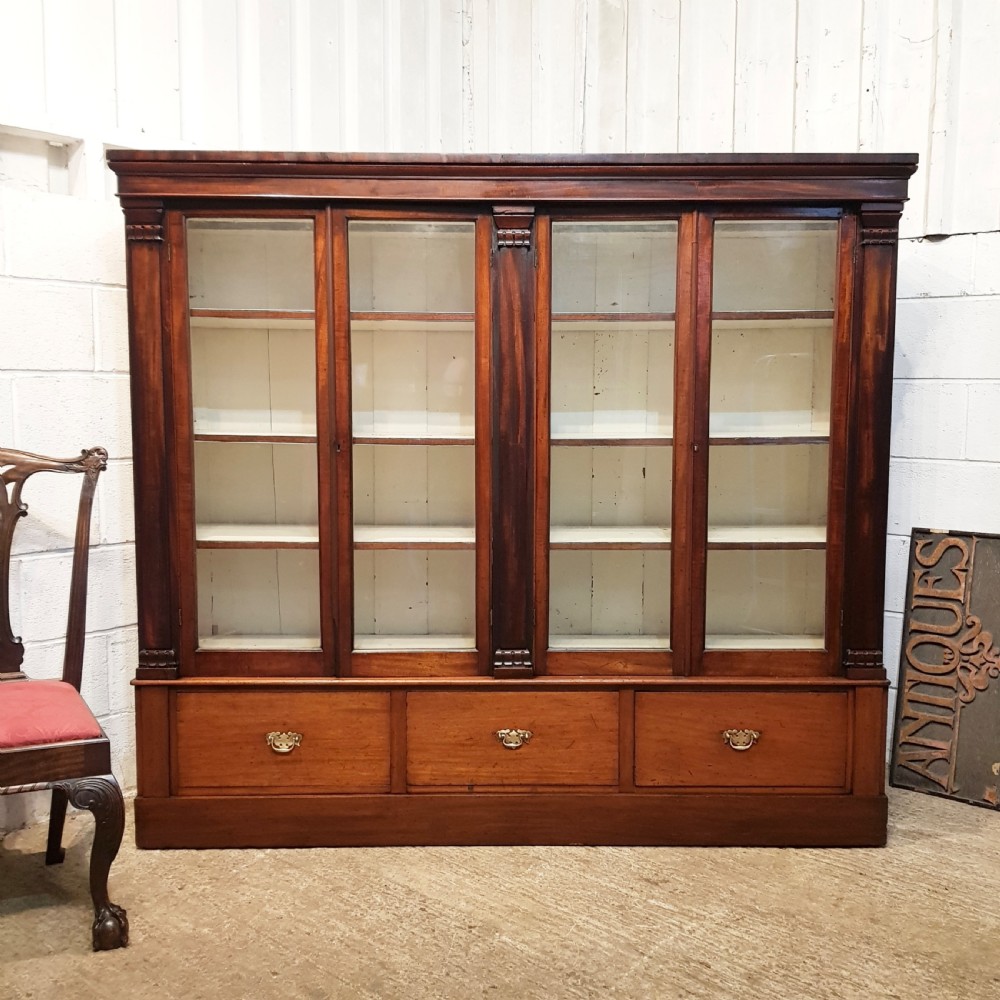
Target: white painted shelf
<point x="603" y="642"/>
<point x="252" y="319"/>
<point x="608" y="536"/>
<point x="250" y="432"/>
<point x="408" y="323"/>
<point x="365" y="432"/>
<point x="414" y="643"/>
<point x="279" y="535"/>
<point x="568" y="431"/>
<point x="583" y="323"/>
<point x="764" y="642"/>
<point x="772" y="535"/>
<point x="263" y="642"/>
<point x="775" y="321"/>
<point x="417" y="536"/>
<point x="599" y="435"/>
<point x="719" y="430"/>
<point x="778" y="433"/>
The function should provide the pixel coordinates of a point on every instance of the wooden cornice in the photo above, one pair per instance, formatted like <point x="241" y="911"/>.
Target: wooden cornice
<point x="787" y="177"/>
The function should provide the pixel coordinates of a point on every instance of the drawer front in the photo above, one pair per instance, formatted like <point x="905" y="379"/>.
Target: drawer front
<point x="452" y="738"/>
<point x="222" y="742"/>
<point x="802" y="741"/>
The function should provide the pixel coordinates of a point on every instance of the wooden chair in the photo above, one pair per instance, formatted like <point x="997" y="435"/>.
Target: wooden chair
<point x="49" y="738"/>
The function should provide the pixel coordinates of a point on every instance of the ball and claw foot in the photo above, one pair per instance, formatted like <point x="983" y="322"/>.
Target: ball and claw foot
<point x="110" y="928"/>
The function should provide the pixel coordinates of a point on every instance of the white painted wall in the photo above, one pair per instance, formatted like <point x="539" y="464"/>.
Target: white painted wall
<point x="77" y="76"/>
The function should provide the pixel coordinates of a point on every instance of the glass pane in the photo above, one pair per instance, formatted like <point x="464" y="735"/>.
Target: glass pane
<point x="612" y="358"/>
<point x="612" y="383"/>
<point x="782" y="484"/>
<point x="611" y="485"/>
<point x="258" y="599"/>
<point x="413" y="379"/>
<point x="413" y="358"/>
<point x="614" y="267"/>
<point x="769" y="426"/>
<point x="778" y="265"/>
<point x="253" y="379"/>
<point x="414" y="599"/>
<point x="765" y="599"/>
<point x="609" y="599"/>
<point x="423" y="267"/>
<point x="250" y="264"/>
<point x="255" y="484"/>
<point x="770" y="377"/>
<point x="415" y="485"/>
<point x="253" y="382"/>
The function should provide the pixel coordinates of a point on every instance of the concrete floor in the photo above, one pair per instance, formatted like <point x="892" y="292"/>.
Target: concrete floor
<point x="918" y="919"/>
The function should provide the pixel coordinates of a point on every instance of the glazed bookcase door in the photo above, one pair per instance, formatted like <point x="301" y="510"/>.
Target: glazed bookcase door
<point x="772" y="333"/>
<point x="251" y="325"/>
<point x="611" y="360"/>
<point x="413" y="362"/>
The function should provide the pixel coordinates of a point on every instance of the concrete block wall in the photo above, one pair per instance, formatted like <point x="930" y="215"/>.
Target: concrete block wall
<point x="945" y="466"/>
<point x="64" y="387"/>
<point x="78" y="76"/>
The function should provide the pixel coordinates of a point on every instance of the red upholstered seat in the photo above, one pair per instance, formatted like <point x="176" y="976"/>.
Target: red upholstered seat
<point x="33" y="713"/>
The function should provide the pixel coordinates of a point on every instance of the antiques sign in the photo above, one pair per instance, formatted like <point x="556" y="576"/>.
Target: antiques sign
<point x="947" y="734"/>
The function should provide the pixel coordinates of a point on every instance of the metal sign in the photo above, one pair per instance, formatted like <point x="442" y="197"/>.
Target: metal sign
<point x="947" y="733"/>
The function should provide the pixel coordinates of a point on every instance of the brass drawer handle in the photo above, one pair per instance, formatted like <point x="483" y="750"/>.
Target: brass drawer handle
<point x="283" y="742"/>
<point x="514" y="738"/>
<point x="740" y="739"/>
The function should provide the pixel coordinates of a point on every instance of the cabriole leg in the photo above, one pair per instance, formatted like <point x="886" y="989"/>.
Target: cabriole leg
<point x="103" y="797"/>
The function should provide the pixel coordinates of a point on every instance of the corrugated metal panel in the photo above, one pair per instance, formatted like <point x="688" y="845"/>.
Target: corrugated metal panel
<point x="764" y="98"/>
<point x="707" y="76"/>
<point x="964" y="167"/>
<point x="530" y="75"/>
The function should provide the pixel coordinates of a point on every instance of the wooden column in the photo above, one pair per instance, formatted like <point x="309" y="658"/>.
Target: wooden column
<point x="513" y="458"/>
<point x="871" y="402"/>
<point x="146" y="265"/>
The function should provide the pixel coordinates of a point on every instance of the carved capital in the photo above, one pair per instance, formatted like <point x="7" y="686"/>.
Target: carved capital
<point x="513" y="225"/>
<point x="144" y="222"/>
<point x="880" y="223"/>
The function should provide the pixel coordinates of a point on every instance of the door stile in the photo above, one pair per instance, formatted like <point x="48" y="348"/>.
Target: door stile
<point x="326" y="396"/>
<point x="840" y="394"/>
<point x="484" y="435"/>
<point x="543" y="424"/>
<point x="341" y="485"/>
<point x="178" y="352"/>
<point x="696" y="366"/>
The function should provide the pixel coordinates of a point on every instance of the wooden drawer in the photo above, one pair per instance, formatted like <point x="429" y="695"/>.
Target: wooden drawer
<point x="803" y="739"/>
<point x="222" y="747"/>
<point x="452" y="739"/>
